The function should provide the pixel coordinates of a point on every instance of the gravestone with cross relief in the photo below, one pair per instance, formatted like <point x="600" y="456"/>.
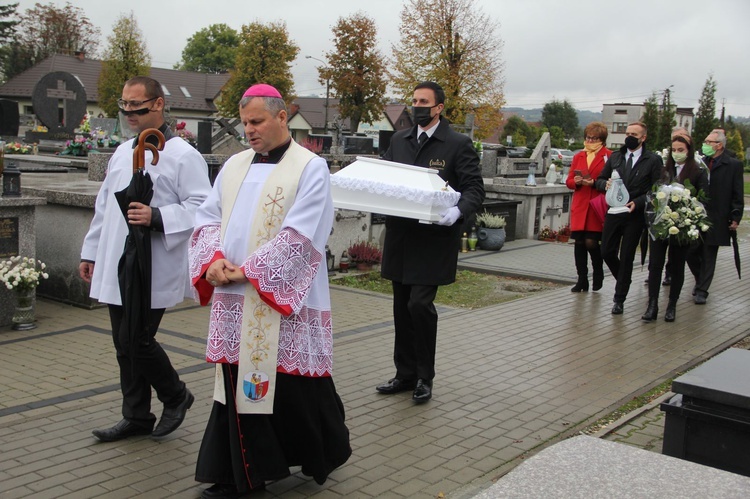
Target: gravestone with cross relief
<point x="59" y="101"/>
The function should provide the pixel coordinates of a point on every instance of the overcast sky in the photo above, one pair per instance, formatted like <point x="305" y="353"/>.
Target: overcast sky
<point x="589" y="52"/>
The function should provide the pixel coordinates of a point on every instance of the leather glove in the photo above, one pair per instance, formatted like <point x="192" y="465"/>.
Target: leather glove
<point x="450" y="216"/>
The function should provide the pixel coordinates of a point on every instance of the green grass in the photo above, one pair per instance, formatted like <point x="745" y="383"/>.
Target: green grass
<point x="471" y="290"/>
<point x="747" y="188"/>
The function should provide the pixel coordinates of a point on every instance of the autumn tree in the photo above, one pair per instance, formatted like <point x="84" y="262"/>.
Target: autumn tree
<point x="650" y="118"/>
<point x="48" y="29"/>
<point x="356" y="70"/>
<point x="705" y="120"/>
<point x="453" y="43"/>
<point x="41" y="32"/>
<point x="561" y="114"/>
<point x="126" y="56"/>
<point x="264" y="55"/>
<point x="210" y="50"/>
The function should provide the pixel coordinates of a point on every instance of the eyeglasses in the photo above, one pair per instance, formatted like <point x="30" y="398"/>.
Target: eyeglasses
<point x="122" y="104"/>
<point x="711" y="142"/>
<point x="592" y="139"/>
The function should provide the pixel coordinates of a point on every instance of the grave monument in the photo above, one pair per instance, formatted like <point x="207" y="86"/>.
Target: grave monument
<point x="59" y="101"/>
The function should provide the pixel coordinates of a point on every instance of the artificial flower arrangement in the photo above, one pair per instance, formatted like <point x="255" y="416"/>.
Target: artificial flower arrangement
<point x="85" y="126"/>
<point x="547" y="233"/>
<point x="80" y="146"/>
<point x="676" y="212"/>
<point x="184" y="133"/>
<point x="365" y="252"/>
<point x="21" y="273"/>
<point x="101" y="139"/>
<point x="17" y="148"/>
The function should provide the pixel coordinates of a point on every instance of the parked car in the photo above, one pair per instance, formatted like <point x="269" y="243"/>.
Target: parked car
<point x="518" y="152"/>
<point x="564" y="155"/>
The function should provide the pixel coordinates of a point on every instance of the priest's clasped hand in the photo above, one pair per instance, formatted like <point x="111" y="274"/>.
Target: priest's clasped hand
<point x="450" y="216"/>
<point x="223" y="272"/>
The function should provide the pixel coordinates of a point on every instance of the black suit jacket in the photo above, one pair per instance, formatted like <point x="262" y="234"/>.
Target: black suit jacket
<point x="426" y="254"/>
<point x="639" y="181"/>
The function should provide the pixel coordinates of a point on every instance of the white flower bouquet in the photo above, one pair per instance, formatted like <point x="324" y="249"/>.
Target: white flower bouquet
<point x="677" y="213"/>
<point x="21" y="273"/>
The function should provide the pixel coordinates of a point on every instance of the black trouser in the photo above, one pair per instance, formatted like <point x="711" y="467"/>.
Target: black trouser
<point x="675" y="269"/>
<point x="621" y="235"/>
<point x="415" y="320"/>
<point x="702" y="262"/>
<point x="147" y="366"/>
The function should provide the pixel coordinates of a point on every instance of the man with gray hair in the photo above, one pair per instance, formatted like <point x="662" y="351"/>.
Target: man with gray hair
<point x="259" y="250"/>
<point x="724" y="208"/>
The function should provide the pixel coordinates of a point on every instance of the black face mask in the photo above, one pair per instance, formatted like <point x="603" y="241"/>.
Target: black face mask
<point x="137" y="112"/>
<point x="421" y="115"/>
<point x="632" y="142"/>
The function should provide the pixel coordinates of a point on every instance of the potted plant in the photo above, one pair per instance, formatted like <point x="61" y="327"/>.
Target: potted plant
<point x="564" y="234"/>
<point x="547" y="234"/>
<point x="364" y="254"/>
<point x="491" y="233"/>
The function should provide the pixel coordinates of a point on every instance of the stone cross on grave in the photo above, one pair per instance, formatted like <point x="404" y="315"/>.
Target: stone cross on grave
<point x="61" y="93"/>
<point x="53" y="90"/>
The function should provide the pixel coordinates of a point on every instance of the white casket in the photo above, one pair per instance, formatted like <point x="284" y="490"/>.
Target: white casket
<point x="391" y="188"/>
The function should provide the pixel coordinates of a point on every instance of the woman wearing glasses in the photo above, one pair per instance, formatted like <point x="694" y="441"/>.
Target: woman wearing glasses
<point x="586" y="221"/>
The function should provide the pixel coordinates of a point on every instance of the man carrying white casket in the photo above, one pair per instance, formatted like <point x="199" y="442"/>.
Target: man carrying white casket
<point x="419" y="257"/>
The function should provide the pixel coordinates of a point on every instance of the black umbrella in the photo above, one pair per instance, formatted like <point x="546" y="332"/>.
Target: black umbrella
<point x="134" y="268"/>
<point x="733" y="235"/>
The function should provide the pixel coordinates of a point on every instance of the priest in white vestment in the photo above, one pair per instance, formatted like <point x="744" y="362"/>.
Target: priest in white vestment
<point x="258" y="255"/>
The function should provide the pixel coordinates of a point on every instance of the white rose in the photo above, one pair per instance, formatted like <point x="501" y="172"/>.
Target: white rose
<point x="661" y="196"/>
<point x="673" y="231"/>
<point x="675" y="198"/>
<point x="704" y="227"/>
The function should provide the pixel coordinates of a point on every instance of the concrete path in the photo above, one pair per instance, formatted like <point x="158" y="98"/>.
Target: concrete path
<point x="511" y="379"/>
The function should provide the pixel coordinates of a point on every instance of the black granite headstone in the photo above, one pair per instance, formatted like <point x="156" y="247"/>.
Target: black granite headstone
<point x="8" y="118"/>
<point x="325" y="140"/>
<point x="357" y="145"/>
<point x="205" y="144"/>
<point x="59" y="101"/>
<point x="8" y="237"/>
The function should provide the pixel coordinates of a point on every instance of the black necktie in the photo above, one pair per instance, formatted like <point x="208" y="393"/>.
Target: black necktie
<point x="630" y="162"/>
<point x="423" y="138"/>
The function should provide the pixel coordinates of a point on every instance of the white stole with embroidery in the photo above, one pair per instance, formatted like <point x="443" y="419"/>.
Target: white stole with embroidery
<point x="256" y="380"/>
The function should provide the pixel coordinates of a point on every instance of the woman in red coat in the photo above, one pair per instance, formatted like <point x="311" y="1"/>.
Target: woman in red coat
<point x="585" y="222"/>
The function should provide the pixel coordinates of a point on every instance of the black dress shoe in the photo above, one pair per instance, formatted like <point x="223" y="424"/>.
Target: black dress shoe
<point x="667" y="280"/>
<point x="123" y="429"/>
<point x="172" y="418"/>
<point x="700" y="299"/>
<point x="617" y="308"/>
<point x="423" y="391"/>
<point x="221" y="491"/>
<point x="395" y="385"/>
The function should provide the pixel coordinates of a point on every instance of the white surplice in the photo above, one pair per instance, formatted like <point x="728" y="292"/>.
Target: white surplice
<point x="289" y="271"/>
<point x="181" y="184"/>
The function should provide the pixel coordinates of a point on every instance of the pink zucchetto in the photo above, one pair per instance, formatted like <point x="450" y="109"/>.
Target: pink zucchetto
<point x="262" y="90"/>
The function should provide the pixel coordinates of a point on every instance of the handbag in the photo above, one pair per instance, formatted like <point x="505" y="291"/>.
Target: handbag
<point x="599" y="206"/>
